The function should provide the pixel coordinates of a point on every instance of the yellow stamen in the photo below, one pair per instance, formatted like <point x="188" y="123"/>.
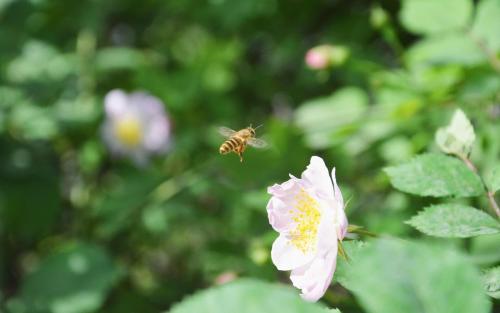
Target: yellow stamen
<point x="129" y="131"/>
<point x="307" y="217"/>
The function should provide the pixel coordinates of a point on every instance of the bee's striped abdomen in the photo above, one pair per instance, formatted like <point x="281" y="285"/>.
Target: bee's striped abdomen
<point x="230" y="145"/>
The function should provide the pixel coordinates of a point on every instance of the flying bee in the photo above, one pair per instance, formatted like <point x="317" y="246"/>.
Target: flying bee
<point x="238" y="140"/>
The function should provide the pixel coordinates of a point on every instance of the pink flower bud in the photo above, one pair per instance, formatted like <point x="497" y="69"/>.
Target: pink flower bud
<point x="325" y="56"/>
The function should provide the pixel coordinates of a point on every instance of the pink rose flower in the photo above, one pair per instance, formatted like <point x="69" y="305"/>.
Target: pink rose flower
<point x="308" y="213"/>
<point x="136" y="125"/>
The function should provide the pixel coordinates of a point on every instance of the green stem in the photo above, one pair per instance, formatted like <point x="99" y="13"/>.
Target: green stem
<point x="489" y="194"/>
<point x="492" y="58"/>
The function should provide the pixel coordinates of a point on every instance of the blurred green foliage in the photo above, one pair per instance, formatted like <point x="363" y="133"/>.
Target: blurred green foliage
<point x="83" y="232"/>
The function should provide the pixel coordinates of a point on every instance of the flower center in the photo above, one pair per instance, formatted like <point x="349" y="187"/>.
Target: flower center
<point x="306" y="215"/>
<point x="129" y="131"/>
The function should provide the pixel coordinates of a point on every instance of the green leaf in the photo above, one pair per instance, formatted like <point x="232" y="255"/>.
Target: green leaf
<point x="327" y="120"/>
<point x="247" y="296"/>
<point x="394" y="276"/>
<point x="455" y="221"/>
<point x="33" y="122"/>
<point x="452" y="48"/>
<point x="493" y="179"/>
<point x="431" y="16"/>
<point x="40" y="62"/>
<point x="435" y="175"/>
<point x="456" y="138"/>
<point x="119" y="58"/>
<point x="353" y="250"/>
<point x="487" y="23"/>
<point x="73" y="280"/>
<point x="485" y="250"/>
<point x="491" y="281"/>
<point x="30" y="190"/>
<point x="121" y="198"/>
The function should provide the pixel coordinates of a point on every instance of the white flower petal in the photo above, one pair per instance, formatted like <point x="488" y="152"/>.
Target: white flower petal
<point x="282" y="190"/>
<point x="277" y="212"/>
<point x="157" y="134"/>
<point x="314" y="278"/>
<point x="316" y="176"/>
<point x="286" y="256"/>
<point x="115" y="103"/>
<point x="341" y="219"/>
<point x="327" y="232"/>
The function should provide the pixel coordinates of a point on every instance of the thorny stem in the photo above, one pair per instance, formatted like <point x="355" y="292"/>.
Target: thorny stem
<point x="489" y="194"/>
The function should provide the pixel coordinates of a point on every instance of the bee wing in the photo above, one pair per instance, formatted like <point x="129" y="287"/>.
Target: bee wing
<point x="257" y="143"/>
<point x="226" y="132"/>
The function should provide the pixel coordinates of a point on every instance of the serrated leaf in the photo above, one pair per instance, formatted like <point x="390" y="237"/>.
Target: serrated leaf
<point x="435" y="175"/>
<point x="73" y="280"/>
<point x="394" y="276"/>
<point x="454" y="221"/>
<point x="491" y="282"/>
<point x="456" y="138"/>
<point x="431" y="16"/>
<point x="493" y="179"/>
<point x="487" y="23"/>
<point x="247" y="296"/>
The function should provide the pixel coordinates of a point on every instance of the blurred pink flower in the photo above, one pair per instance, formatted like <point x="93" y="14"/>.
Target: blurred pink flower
<point x="225" y="277"/>
<point x="309" y="215"/>
<point x="324" y="56"/>
<point x="136" y="125"/>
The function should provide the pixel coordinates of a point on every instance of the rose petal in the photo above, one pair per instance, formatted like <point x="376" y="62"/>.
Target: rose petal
<point x="286" y="256"/>
<point x="337" y="193"/>
<point x="115" y="103"/>
<point x="314" y="278"/>
<point x="316" y="176"/>
<point x="157" y="134"/>
<point x="281" y="190"/>
<point x="327" y="232"/>
<point x="277" y="212"/>
<point x="341" y="219"/>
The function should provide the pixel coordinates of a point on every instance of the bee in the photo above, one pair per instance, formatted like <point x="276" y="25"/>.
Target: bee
<point x="238" y="140"/>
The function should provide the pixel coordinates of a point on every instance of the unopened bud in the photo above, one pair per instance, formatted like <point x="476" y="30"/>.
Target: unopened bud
<point x="325" y="56"/>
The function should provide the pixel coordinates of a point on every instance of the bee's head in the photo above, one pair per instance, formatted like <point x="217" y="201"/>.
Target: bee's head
<point x="251" y="130"/>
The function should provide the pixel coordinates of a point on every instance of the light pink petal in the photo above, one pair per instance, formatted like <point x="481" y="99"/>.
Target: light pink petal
<point x="316" y="60"/>
<point x="338" y="194"/>
<point x="316" y="176"/>
<point x="286" y="256"/>
<point x="314" y="278"/>
<point x="327" y="232"/>
<point x="278" y="214"/>
<point x="147" y="104"/>
<point x="341" y="219"/>
<point x="282" y="203"/>
<point x="157" y="134"/>
<point x="281" y="190"/>
<point x="116" y="103"/>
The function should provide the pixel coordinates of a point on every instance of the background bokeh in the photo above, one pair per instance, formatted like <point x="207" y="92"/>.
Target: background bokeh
<point x="81" y="231"/>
